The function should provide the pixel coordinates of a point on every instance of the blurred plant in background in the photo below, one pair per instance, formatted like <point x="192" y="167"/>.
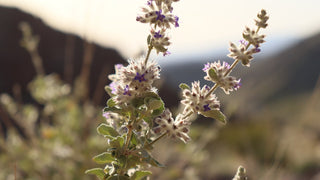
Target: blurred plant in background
<point x="52" y="138"/>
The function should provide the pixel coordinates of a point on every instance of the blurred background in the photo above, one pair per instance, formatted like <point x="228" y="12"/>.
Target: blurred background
<point x="54" y="66"/>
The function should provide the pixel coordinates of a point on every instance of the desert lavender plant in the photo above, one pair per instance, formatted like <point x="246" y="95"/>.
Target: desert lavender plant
<point x="136" y="117"/>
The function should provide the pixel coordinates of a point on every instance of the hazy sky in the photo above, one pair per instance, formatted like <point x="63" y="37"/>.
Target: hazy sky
<point x="204" y="24"/>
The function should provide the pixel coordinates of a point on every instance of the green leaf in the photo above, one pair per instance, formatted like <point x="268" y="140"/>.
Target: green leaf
<point x="113" y="109"/>
<point x="159" y="111"/>
<point x="106" y="130"/>
<point x="111" y="102"/>
<point x="134" y="139"/>
<point x="103" y="158"/>
<point x="132" y="161"/>
<point x="153" y="103"/>
<point x="151" y="94"/>
<point x="118" y="177"/>
<point x="98" y="172"/>
<point x="137" y="102"/>
<point x="138" y="175"/>
<point x="215" y="114"/>
<point x="213" y="75"/>
<point x="117" y="142"/>
<point x="183" y="86"/>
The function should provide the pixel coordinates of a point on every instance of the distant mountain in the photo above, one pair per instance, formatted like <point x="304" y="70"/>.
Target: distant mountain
<point x="55" y="48"/>
<point x="292" y="71"/>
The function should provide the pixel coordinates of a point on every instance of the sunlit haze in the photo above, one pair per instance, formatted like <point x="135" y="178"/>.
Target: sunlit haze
<point x="204" y="25"/>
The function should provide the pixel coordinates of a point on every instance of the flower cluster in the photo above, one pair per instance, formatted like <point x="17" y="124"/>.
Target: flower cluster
<point x="177" y="128"/>
<point x="197" y="100"/>
<point x="158" y="14"/>
<point x="202" y="100"/>
<point x="133" y="80"/>
<point x="216" y="72"/>
<point x="252" y="37"/>
<point x="159" y="40"/>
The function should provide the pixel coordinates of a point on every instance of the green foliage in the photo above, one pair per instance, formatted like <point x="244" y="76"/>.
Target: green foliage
<point x="213" y="75"/>
<point x="98" y="172"/>
<point x="107" y="131"/>
<point x="104" y="158"/>
<point x="184" y="86"/>
<point x="215" y="114"/>
<point x="139" y="175"/>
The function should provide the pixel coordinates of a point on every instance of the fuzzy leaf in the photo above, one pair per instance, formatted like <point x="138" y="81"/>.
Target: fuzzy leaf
<point x="134" y="139"/>
<point x="106" y="130"/>
<point x="111" y="103"/>
<point x="113" y="109"/>
<point x="103" y="158"/>
<point x="138" y="175"/>
<point x="215" y="114"/>
<point x="158" y="111"/>
<point x="137" y="102"/>
<point x="117" y="142"/>
<point x="98" y="172"/>
<point x="151" y="94"/>
<point x="183" y="86"/>
<point x="213" y="75"/>
<point x="153" y="103"/>
<point x="118" y="177"/>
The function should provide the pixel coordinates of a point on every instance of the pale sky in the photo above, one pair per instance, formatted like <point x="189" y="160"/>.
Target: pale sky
<point x="204" y="24"/>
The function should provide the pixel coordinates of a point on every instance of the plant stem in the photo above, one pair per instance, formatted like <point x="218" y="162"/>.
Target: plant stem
<point x="189" y="114"/>
<point x="148" y="54"/>
<point x="128" y="138"/>
<point x="158" y="138"/>
<point x="212" y="89"/>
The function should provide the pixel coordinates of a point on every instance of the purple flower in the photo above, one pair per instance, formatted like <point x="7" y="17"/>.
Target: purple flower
<point x="206" y="107"/>
<point x="113" y="87"/>
<point x="226" y="65"/>
<point x="257" y="49"/>
<point x="139" y="77"/>
<point x="166" y="53"/>
<point x="176" y="24"/>
<point x="106" y="115"/>
<point x="171" y="9"/>
<point x="243" y="42"/>
<point x="149" y="2"/>
<point x="206" y="67"/>
<point x="126" y="91"/>
<point x="157" y="34"/>
<point x="119" y="66"/>
<point x="160" y="16"/>
<point x="238" y="85"/>
<point x="207" y="87"/>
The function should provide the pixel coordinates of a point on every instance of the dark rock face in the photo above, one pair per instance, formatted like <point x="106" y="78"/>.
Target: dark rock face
<point x="55" y="48"/>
